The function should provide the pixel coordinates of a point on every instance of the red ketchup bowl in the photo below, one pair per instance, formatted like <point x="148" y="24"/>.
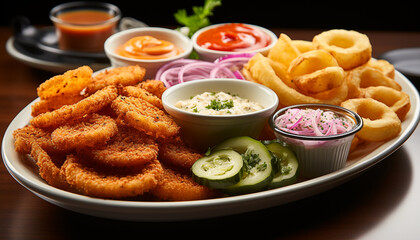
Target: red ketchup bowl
<point x="218" y="40"/>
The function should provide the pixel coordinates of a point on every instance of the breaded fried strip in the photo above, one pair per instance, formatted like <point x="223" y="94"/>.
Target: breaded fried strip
<point x="128" y="148"/>
<point x="95" y="183"/>
<point x="145" y="117"/>
<point x="94" y="131"/>
<point x="53" y="103"/>
<point x="175" y="186"/>
<point x="178" y="154"/>
<point x="48" y="170"/>
<point x="128" y="75"/>
<point x="131" y="91"/>
<point x="155" y="87"/>
<point x="71" y="82"/>
<point x="29" y="135"/>
<point x="68" y="113"/>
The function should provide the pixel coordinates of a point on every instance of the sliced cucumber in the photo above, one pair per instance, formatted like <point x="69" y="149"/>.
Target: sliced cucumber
<point x="258" y="170"/>
<point x="287" y="165"/>
<point x="220" y="169"/>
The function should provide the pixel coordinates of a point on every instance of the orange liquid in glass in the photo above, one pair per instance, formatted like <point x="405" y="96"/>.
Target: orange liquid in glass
<point x="84" y="30"/>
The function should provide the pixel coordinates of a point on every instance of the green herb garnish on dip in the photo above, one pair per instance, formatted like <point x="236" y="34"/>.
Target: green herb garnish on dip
<point x="219" y="103"/>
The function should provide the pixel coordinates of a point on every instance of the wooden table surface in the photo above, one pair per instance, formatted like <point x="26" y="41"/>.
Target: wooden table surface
<point x="382" y="203"/>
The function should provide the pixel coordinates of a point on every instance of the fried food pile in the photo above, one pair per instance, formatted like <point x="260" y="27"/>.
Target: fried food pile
<point x="108" y="136"/>
<point x="336" y="68"/>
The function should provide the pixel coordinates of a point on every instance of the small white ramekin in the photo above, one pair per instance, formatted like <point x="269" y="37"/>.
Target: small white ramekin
<point x="319" y="155"/>
<point x="204" y="131"/>
<point x="152" y="66"/>
<point x="212" y="55"/>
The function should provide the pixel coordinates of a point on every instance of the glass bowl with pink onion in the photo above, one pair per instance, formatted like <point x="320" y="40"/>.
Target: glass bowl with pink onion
<point x="320" y="135"/>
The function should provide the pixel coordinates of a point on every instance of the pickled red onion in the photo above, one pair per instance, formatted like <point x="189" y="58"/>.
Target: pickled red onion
<point x="310" y="122"/>
<point x="185" y="70"/>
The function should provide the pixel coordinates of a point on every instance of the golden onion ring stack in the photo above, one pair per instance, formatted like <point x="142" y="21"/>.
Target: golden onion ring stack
<point x="337" y="68"/>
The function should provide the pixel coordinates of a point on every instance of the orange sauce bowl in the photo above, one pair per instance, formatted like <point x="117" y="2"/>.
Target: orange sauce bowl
<point x="148" y="57"/>
<point x="84" y="26"/>
<point x="217" y="40"/>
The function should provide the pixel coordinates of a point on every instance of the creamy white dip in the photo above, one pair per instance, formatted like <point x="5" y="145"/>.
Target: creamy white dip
<point x="220" y="103"/>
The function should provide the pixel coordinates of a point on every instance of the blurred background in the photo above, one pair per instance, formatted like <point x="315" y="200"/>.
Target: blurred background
<point x="357" y="15"/>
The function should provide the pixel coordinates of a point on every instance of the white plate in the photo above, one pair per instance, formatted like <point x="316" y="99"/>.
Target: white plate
<point x="36" y="61"/>
<point x="27" y="175"/>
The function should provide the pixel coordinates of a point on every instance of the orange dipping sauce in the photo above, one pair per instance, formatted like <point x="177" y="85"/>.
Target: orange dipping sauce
<point x="233" y="37"/>
<point x="149" y="48"/>
<point x="84" y="30"/>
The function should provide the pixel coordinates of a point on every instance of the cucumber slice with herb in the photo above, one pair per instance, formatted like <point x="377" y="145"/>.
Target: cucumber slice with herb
<point x="257" y="170"/>
<point x="287" y="165"/>
<point x="220" y="169"/>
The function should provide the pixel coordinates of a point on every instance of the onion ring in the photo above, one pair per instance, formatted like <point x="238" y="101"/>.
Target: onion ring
<point x="349" y="48"/>
<point x="69" y="113"/>
<point x="310" y="62"/>
<point x="53" y="103"/>
<point x="48" y="170"/>
<point x="128" y="148"/>
<point x="176" y="186"/>
<point x="364" y="76"/>
<point x="178" y="154"/>
<point x="112" y="183"/>
<point x="155" y="87"/>
<point x="29" y="135"/>
<point x="145" y="117"/>
<point x="382" y="65"/>
<point x="380" y="123"/>
<point x="137" y="92"/>
<point x="260" y="69"/>
<point x="398" y="101"/>
<point x="320" y="81"/>
<point x="127" y="75"/>
<point x="95" y="130"/>
<point x="71" y="82"/>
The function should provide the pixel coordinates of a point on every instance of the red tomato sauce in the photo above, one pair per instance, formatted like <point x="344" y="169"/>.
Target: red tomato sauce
<point x="235" y="37"/>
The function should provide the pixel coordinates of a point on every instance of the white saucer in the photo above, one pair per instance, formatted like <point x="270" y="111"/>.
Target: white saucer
<point x="38" y="61"/>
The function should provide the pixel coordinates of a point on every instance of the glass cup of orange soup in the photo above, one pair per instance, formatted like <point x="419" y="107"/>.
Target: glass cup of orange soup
<point x="84" y="26"/>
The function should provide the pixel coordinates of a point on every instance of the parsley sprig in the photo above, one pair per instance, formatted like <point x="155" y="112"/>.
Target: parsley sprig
<point x="252" y="160"/>
<point x="199" y="18"/>
<point x="218" y="105"/>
